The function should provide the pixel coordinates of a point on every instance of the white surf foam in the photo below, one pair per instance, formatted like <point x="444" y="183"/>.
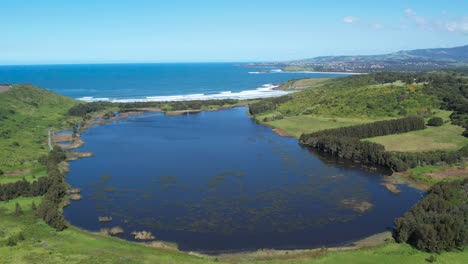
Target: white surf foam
<point x="267" y="90"/>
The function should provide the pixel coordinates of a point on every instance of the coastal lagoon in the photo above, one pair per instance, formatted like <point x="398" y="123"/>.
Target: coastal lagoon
<point x="219" y="182"/>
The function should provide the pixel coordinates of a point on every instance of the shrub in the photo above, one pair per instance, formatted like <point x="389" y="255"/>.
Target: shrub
<point x="273" y="118"/>
<point x="435" y="121"/>
<point x="18" y="210"/>
<point x="11" y="241"/>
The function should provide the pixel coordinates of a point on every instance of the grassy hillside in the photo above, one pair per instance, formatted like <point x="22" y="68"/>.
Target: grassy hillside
<point x="26" y="113"/>
<point x="361" y="99"/>
<point x="357" y="97"/>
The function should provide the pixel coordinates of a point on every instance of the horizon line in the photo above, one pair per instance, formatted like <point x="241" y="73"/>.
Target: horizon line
<point x="123" y="63"/>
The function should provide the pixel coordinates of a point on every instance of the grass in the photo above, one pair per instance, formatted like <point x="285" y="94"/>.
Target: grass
<point x="359" y="96"/>
<point x="32" y="175"/>
<point x="297" y="125"/>
<point x="445" y="137"/>
<point x="389" y="253"/>
<point x="301" y="84"/>
<point x="419" y="174"/>
<point x="26" y="113"/>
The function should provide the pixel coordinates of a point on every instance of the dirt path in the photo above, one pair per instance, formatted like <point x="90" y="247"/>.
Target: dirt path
<point x="4" y="88"/>
<point x="49" y="140"/>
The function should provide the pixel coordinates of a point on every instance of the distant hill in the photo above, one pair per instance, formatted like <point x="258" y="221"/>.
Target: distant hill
<point x="412" y="60"/>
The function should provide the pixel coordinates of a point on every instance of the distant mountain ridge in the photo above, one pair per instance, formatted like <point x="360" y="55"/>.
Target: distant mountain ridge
<point x="457" y="53"/>
<point x="411" y="60"/>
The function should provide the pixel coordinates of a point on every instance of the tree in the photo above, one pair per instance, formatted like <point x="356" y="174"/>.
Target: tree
<point x="435" y="121"/>
<point x="18" y="210"/>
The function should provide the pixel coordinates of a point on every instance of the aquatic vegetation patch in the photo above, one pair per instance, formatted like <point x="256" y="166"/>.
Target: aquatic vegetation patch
<point x="105" y="219"/>
<point x="143" y="235"/>
<point x="357" y="205"/>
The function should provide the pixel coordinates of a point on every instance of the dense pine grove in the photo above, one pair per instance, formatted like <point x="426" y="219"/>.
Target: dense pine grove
<point x="346" y="143"/>
<point x="379" y="128"/>
<point x="24" y="188"/>
<point x="439" y="221"/>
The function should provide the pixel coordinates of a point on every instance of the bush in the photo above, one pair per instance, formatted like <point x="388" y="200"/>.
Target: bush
<point x="435" y="121"/>
<point x="267" y="105"/>
<point x="11" y="241"/>
<point x="273" y="118"/>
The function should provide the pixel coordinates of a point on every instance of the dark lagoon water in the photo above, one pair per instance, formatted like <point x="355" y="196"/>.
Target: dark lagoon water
<point x="217" y="182"/>
<point x="163" y="81"/>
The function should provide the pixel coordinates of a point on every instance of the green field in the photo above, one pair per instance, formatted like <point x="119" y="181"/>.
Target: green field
<point x="445" y="137"/>
<point x="29" y="175"/>
<point x="449" y="173"/>
<point x="296" y="125"/>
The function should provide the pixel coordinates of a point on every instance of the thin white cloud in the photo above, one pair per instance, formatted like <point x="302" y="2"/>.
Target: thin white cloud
<point x="422" y="21"/>
<point x="454" y="26"/>
<point x="460" y="25"/>
<point x="377" y="26"/>
<point x="410" y="12"/>
<point x="356" y="21"/>
<point x="350" y="19"/>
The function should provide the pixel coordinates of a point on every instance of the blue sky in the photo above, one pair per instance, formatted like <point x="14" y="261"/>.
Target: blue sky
<point x="92" y="31"/>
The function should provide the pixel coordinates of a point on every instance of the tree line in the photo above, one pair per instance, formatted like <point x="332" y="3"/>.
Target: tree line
<point x="346" y="143"/>
<point x="53" y="189"/>
<point x="84" y="109"/>
<point x="24" y="188"/>
<point x="379" y="128"/>
<point x="52" y="203"/>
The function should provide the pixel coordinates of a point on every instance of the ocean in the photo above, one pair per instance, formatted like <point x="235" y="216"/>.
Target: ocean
<point x="154" y="82"/>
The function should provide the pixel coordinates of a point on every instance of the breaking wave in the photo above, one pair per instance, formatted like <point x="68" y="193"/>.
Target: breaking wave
<point x="267" y="90"/>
